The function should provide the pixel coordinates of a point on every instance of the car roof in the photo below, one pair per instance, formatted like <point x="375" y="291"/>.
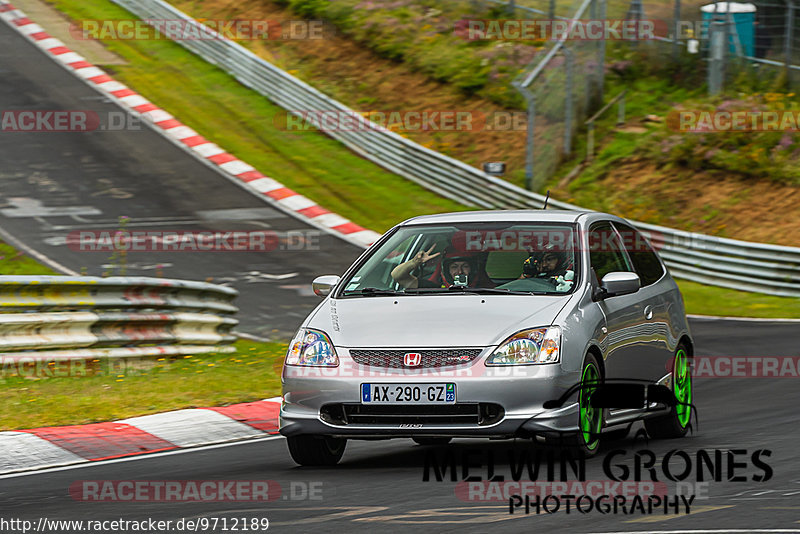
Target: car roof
<point x="551" y="216"/>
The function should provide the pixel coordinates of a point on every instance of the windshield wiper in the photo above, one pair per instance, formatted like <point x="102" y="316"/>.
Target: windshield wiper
<point x="464" y="290"/>
<point x="373" y="292"/>
<point x="503" y="291"/>
<point x="451" y="289"/>
<point x="472" y="291"/>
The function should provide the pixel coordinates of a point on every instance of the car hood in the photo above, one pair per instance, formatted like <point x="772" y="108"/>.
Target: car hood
<point x="433" y="321"/>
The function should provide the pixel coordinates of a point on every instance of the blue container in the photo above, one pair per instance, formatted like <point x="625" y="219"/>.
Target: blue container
<point x="744" y="17"/>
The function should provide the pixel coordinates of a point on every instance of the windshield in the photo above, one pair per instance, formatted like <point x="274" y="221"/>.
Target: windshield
<point x="470" y="258"/>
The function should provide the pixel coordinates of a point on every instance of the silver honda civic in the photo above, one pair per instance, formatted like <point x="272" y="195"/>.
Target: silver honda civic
<point x="551" y="325"/>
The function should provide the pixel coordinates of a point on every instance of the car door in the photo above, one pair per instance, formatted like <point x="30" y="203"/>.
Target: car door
<point x="656" y="295"/>
<point x="627" y="344"/>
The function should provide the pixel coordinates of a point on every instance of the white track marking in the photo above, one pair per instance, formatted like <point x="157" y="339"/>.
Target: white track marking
<point x="192" y="427"/>
<point x="22" y="450"/>
<point x="53" y="264"/>
<point x="236" y="167"/>
<point x="297" y="202"/>
<point x="138" y="457"/>
<point x="711" y="531"/>
<point x="181" y="132"/>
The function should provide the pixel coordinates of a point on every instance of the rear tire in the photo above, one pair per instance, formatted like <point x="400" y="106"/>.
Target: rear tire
<point x="432" y="441"/>
<point x="586" y="442"/>
<point x="316" y="450"/>
<point x="676" y="423"/>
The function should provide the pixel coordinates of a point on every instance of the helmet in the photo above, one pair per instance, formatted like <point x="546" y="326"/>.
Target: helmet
<point x="449" y="260"/>
<point x="533" y="265"/>
<point x="442" y="273"/>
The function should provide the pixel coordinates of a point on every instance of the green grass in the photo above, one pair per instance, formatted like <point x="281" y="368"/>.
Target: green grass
<point x="244" y="123"/>
<point x="647" y="95"/>
<point x="709" y="300"/>
<point x="13" y="262"/>
<point x="422" y="34"/>
<point x="126" y="388"/>
<point x="770" y="156"/>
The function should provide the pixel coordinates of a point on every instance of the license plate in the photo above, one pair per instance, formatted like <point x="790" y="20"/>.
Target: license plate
<point x="408" y="393"/>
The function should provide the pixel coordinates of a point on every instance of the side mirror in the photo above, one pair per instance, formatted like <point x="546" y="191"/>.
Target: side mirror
<point x="619" y="283"/>
<point x="322" y="285"/>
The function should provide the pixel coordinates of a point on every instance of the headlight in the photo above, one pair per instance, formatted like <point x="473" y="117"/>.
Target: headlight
<point x="537" y="345"/>
<point x="311" y="347"/>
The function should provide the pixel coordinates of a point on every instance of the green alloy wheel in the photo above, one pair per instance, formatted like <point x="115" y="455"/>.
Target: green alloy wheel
<point x="586" y="441"/>
<point x="676" y="423"/>
<point x="591" y="419"/>
<point x="682" y="376"/>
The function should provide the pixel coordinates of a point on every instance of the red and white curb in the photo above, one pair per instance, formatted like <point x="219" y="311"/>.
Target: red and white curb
<point x="233" y="168"/>
<point x="42" y="448"/>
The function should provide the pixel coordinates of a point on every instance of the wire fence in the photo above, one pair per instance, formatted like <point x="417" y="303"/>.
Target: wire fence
<point x="721" y="42"/>
<point x="776" y="38"/>
<point x="750" y="36"/>
<point x="561" y="87"/>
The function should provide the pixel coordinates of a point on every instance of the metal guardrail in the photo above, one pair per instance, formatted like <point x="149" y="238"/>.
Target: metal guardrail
<point x="719" y="264"/>
<point x="49" y="317"/>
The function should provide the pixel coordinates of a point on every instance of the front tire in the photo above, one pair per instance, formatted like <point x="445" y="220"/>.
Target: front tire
<point x="586" y="442"/>
<point x="676" y="423"/>
<point x="316" y="450"/>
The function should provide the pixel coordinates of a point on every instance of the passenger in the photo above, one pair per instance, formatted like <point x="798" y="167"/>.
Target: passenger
<point x="456" y="268"/>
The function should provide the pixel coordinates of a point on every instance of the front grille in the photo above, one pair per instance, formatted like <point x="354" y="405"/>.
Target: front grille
<point x="480" y="414"/>
<point x="430" y="358"/>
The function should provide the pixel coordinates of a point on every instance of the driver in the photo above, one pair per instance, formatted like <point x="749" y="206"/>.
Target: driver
<point x="551" y="265"/>
<point x="455" y="269"/>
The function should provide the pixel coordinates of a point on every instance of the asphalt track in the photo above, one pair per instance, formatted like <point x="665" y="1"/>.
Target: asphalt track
<point x="54" y="183"/>
<point x="378" y="485"/>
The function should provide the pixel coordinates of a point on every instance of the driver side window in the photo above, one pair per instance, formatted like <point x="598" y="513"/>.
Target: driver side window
<point x="605" y="251"/>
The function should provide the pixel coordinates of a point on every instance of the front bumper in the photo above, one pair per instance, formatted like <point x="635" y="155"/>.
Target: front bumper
<point x="508" y="401"/>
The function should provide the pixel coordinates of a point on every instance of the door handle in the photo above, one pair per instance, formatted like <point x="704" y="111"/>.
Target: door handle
<point x="648" y="312"/>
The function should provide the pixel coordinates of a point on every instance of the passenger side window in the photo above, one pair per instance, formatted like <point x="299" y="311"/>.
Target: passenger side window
<point x="644" y="258"/>
<point x="605" y="251"/>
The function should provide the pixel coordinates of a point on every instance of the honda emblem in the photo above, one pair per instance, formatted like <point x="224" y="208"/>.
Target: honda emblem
<point x="412" y="359"/>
